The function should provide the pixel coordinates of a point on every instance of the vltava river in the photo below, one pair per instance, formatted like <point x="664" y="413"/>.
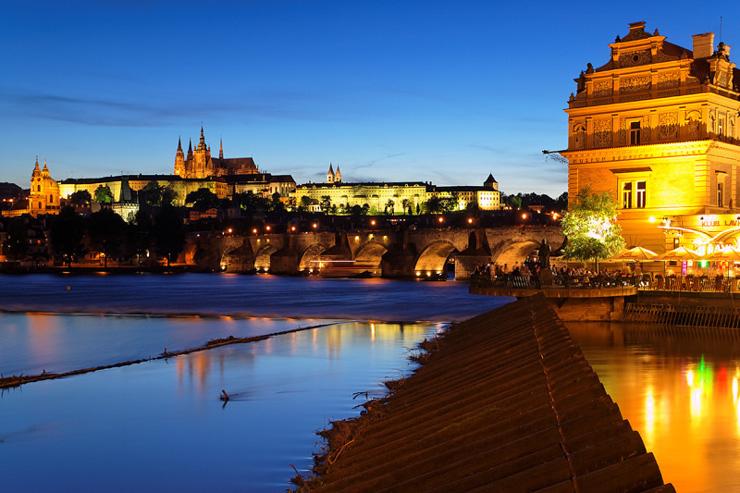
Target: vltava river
<point x="680" y="392"/>
<point x="159" y="426"/>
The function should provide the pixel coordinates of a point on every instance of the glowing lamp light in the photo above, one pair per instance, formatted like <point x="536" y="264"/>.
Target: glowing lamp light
<point x="315" y="225"/>
<point x="524" y="216"/>
<point x="357" y="238"/>
<point x="651" y="219"/>
<point x="254" y="231"/>
<point x="418" y="274"/>
<point x="292" y="228"/>
<point x="230" y="230"/>
<point x="268" y="228"/>
<point x="372" y="222"/>
<point x="470" y="220"/>
<point x="440" y="219"/>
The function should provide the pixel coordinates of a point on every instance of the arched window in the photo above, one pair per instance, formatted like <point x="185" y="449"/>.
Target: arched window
<point x="51" y="199"/>
<point x="579" y="136"/>
<point x="38" y="188"/>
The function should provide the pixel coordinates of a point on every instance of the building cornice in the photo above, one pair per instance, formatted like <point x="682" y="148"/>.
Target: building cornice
<point x="696" y="97"/>
<point x="629" y="153"/>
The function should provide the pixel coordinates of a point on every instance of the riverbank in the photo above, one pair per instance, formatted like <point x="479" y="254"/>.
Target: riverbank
<point x="503" y="401"/>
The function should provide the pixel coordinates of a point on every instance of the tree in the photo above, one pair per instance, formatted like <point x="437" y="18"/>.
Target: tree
<point x="17" y="241"/>
<point x="169" y="233"/>
<point x="80" y="198"/>
<point x="591" y="228"/>
<point x="276" y="204"/>
<point x="325" y="204"/>
<point x="103" y="195"/>
<point x="202" y="199"/>
<point x="406" y="204"/>
<point x="107" y="232"/>
<point x="66" y="232"/>
<point x="433" y="205"/>
<point x="151" y="194"/>
<point x="389" y="206"/>
<point x="306" y="202"/>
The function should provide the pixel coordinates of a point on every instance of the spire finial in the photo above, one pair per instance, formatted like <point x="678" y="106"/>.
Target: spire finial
<point x="220" y="148"/>
<point x="179" y="143"/>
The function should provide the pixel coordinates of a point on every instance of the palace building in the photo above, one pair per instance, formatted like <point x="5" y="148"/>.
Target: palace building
<point x="656" y="127"/>
<point x="394" y="197"/>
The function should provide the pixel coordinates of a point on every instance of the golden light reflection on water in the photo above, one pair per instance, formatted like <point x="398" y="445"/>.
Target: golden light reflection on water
<point x="194" y="370"/>
<point x="681" y="395"/>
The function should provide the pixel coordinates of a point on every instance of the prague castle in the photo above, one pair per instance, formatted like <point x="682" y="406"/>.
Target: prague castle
<point x="199" y="164"/>
<point x="656" y="127"/>
<point x="222" y="176"/>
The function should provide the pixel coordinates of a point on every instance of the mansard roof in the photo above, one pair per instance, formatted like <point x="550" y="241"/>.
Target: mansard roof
<point x="235" y="163"/>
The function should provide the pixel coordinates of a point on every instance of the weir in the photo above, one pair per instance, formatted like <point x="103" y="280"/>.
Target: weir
<point x="502" y="402"/>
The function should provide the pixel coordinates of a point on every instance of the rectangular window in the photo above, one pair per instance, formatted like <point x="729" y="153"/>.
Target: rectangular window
<point x="720" y="194"/>
<point x="641" y="194"/>
<point x="721" y="127"/>
<point x="634" y="133"/>
<point x="627" y="196"/>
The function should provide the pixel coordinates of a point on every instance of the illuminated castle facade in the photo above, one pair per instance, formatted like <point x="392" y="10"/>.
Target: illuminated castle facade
<point x="394" y="197"/>
<point x="199" y="164"/>
<point x="656" y="127"/>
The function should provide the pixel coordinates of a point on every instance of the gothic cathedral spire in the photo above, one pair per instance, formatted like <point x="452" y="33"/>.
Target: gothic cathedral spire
<point x="220" y="148"/>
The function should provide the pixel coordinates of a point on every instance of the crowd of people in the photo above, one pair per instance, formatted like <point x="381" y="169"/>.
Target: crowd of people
<point x="529" y="274"/>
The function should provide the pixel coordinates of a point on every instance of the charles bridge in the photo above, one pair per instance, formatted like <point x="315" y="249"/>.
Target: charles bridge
<point x="423" y="252"/>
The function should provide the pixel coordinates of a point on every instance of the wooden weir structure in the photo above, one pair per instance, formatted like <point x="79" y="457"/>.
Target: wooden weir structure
<point x="685" y="315"/>
<point x="503" y="402"/>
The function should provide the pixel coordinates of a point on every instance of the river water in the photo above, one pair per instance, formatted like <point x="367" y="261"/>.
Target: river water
<point x="159" y="425"/>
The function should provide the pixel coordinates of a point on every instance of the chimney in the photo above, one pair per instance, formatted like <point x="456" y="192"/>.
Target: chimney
<point x="637" y="27"/>
<point x="703" y="45"/>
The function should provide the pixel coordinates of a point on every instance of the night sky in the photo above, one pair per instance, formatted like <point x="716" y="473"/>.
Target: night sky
<point x="389" y="90"/>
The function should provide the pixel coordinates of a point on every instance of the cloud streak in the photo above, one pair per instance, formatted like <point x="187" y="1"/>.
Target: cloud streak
<point x="111" y="112"/>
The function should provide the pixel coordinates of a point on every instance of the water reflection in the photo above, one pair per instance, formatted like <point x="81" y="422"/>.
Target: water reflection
<point x="31" y="343"/>
<point x="159" y="426"/>
<point x="679" y="392"/>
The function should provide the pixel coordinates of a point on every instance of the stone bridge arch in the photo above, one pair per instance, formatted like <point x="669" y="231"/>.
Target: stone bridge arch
<point x="370" y="255"/>
<point x="433" y="257"/>
<point x="515" y="251"/>
<point x="263" y="257"/>
<point x="309" y="260"/>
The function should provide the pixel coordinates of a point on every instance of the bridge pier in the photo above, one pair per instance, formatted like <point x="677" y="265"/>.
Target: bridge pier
<point x="466" y="264"/>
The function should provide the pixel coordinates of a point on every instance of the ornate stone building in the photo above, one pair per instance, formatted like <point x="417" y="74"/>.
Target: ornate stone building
<point x="199" y="164"/>
<point x="656" y="127"/>
<point x="43" y="196"/>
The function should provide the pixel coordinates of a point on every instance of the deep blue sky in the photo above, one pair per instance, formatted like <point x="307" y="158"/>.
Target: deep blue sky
<point x="391" y="90"/>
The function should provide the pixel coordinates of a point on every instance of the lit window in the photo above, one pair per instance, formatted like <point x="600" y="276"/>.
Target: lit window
<point x="641" y="194"/>
<point x="627" y="196"/>
<point x="721" y="127"/>
<point x="720" y="193"/>
<point x="634" y="133"/>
